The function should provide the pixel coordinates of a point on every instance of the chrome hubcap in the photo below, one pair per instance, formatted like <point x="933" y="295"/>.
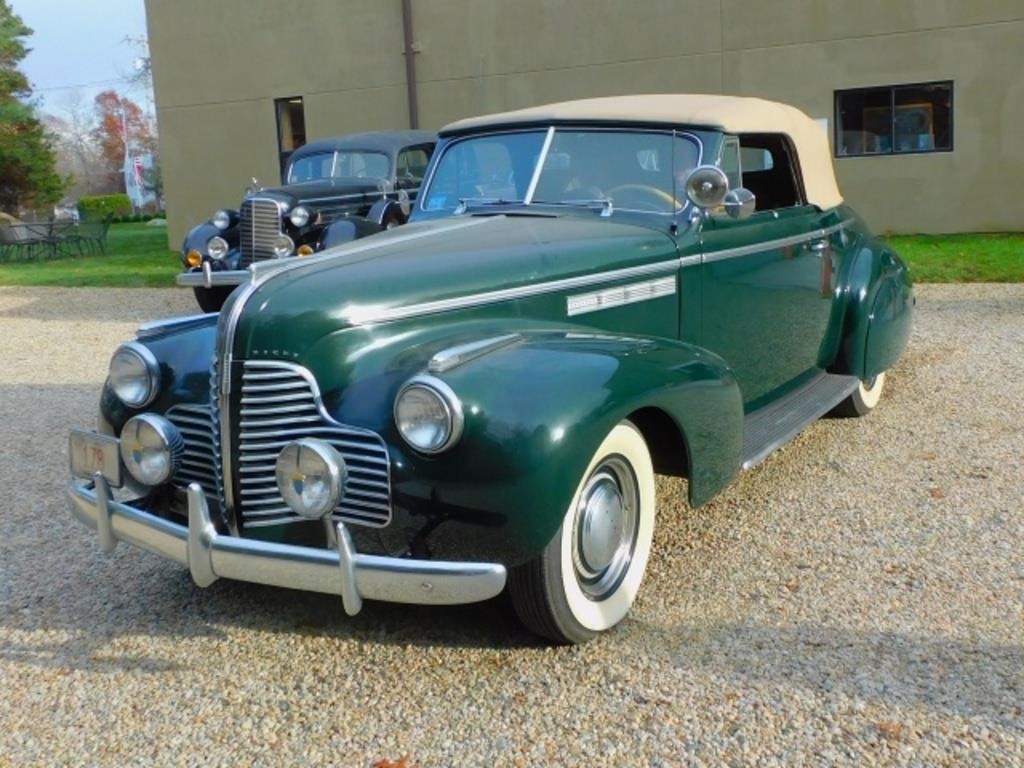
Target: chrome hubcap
<point x="605" y="528"/>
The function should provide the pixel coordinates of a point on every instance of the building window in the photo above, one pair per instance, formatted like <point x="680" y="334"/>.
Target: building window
<point x="897" y="119"/>
<point x="291" y="127"/>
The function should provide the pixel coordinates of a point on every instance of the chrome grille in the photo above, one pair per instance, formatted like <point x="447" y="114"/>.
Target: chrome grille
<point x="259" y="225"/>
<point x="281" y="403"/>
<point x="200" y="427"/>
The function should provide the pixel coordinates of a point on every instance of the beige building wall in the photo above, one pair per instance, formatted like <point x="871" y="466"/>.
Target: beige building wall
<point x="219" y="66"/>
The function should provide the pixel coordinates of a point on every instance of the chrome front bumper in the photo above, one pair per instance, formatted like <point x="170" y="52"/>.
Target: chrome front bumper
<point x="207" y="278"/>
<point x="341" y="571"/>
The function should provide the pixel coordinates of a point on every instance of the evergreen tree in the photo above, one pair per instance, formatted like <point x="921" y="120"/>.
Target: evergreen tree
<point x="27" y="161"/>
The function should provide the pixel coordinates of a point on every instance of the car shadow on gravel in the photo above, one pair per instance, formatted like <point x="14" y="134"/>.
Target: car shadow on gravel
<point x="941" y="674"/>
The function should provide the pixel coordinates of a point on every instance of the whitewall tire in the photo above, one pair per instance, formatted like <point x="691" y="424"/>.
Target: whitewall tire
<point x="864" y="398"/>
<point x="586" y="579"/>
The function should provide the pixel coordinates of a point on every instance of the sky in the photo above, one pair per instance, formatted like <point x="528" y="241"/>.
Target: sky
<point x="81" y="43"/>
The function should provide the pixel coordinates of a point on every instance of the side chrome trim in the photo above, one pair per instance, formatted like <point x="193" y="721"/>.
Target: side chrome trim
<point x="367" y="315"/>
<point x="340" y="571"/>
<point x="159" y="327"/>
<point x="620" y="295"/>
<point x="453" y="357"/>
<point x="782" y="242"/>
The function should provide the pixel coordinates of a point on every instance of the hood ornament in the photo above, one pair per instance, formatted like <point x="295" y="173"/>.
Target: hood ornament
<point x="254" y="187"/>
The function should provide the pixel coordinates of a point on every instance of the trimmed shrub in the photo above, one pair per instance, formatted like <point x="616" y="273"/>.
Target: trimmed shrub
<point x="98" y="206"/>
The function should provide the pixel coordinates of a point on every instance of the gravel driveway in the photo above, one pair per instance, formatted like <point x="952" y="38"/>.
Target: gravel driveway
<point x="858" y="598"/>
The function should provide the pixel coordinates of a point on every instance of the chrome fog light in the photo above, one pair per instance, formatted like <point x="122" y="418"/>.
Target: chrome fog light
<point x="311" y="477"/>
<point x="283" y="246"/>
<point x="151" y="448"/>
<point x="428" y="414"/>
<point x="217" y="247"/>
<point x="134" y="374"/>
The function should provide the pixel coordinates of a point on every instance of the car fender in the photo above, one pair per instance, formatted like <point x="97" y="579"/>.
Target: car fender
<point x="200" y="235"/>
<point x="875" y="311"/>
<point x="345" y="230"/>
<point x="535" y="409"/>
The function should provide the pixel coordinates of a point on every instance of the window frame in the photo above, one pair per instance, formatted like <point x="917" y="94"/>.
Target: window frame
<point x="892" y="88"/>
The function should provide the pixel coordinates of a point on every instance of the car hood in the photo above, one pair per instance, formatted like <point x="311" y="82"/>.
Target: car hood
<point x="293" y="194"/>
<point x="430" y="268"/>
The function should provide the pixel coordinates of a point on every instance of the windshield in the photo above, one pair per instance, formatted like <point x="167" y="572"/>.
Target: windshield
<point x="335" y="165"/>
<point x="626" y="170"/>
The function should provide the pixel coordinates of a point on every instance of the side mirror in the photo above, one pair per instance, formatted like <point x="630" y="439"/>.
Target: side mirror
<point x="706" y="186"/>
<point x="739" y="203"/>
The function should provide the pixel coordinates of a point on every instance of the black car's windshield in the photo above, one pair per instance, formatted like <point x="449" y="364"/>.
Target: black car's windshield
<point x="621" y="170"/>
<point x="342" y="164"/>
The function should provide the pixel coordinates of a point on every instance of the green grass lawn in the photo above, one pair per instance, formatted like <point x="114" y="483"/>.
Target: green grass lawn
<point x="997" y="258"/>
<point x="137" y="256"/>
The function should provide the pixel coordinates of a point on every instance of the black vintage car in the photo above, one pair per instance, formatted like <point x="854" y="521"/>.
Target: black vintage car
<point x="333" y="191"/>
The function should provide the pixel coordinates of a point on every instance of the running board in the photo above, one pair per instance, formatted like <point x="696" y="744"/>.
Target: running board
<point x="769" y="428"/>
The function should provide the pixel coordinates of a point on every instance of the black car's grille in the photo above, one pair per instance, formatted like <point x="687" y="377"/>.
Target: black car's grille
<point x="259" y="225"/>
<point x="280" y="403"/>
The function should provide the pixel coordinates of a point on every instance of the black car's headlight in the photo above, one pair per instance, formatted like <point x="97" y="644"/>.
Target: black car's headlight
<point x="428" y="414"/>
<point x="134" y="375"/>
<point x="221" y="220"/>
<point x="299" y="216"/>
<point x="217" y="247"/>
<point x="151" y="448"/>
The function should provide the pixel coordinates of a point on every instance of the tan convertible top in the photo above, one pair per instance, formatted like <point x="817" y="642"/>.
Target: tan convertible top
<point x="731" y="114"/>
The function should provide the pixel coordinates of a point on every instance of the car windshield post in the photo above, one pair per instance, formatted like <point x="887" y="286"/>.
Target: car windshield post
<point x="541" y="159"/>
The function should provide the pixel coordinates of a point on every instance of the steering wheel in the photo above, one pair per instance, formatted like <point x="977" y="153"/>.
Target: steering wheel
<point x="646" y="197"/>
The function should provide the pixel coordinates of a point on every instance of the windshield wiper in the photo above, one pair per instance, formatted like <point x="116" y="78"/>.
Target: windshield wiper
<point x="465" y="202"/>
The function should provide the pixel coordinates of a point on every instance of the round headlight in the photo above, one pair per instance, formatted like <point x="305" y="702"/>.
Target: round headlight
<point x="283" y="246"/>
<point x="221" y="220"/>
<point x="429" y="415"/>
<point x="299" y="216"/>
<point x="134" y="375"/>
<point x="311" y="477"/>
<point x="217" y="247"/>
<point x="151" y="448"/>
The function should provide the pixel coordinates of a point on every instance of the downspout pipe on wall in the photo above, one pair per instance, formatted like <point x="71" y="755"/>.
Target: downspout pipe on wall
<point x="410" y="65"/>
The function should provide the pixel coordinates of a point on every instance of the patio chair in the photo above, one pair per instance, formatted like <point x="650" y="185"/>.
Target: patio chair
<point x="92" y="235"/>
<point x="23" y="240"/>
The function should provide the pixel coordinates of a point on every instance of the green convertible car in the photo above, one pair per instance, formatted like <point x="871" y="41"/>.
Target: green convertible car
<point x="587" y="294"/>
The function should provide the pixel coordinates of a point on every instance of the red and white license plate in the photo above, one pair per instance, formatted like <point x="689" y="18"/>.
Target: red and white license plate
<point x="91" y="452"/>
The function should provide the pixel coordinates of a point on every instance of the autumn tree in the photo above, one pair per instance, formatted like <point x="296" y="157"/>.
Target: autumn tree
<point x="118" y="119"/>
<point x="27" y="162"/>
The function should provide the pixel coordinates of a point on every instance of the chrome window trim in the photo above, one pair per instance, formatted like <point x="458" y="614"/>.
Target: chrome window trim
<point x="539" y="168"/>
<point x="549" y="138"/>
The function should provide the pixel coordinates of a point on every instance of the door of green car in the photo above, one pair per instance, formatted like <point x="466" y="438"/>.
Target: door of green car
<point x="766" y="280"/>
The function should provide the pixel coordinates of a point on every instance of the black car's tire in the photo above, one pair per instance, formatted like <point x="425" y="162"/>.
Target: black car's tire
<point x="585" y="580"/>
<point x="864" y="398"/>
<point x="211" y="299"/>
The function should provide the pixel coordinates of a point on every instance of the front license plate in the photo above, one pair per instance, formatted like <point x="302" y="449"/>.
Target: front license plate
<point x="91" y="452"/>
